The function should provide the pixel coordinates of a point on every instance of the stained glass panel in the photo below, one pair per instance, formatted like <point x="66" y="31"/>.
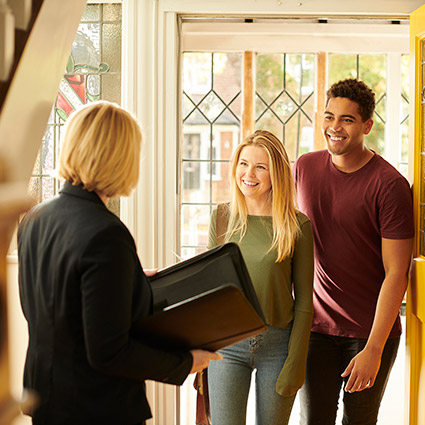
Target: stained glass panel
<point x="110" y="87"/>
<point x="111" y="40"/>
<point x="91" y="13"/>
<point x="93" y="72"/>
<point x="112" y="12"/>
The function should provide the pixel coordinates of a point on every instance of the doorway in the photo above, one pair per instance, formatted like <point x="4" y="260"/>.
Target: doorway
<point x="288" y="99"/>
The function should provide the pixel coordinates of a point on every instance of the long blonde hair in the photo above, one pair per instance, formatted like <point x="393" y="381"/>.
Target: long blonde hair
<point x="282" y="195"/>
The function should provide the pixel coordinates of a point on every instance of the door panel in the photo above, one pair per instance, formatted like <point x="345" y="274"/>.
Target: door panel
<point x="415" y="315"/>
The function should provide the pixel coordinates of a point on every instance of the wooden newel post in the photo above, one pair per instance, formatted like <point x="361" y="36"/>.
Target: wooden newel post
<point x="248" y="91"/>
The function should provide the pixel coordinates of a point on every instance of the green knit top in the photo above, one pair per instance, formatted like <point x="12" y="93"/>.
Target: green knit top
<point x="284" y="290"/>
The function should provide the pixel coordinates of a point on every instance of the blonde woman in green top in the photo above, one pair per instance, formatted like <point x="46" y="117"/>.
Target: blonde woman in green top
<point x="277" y="245"/>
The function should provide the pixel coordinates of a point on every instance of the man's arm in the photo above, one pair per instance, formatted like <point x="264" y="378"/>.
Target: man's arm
<point x="363" y="368"/>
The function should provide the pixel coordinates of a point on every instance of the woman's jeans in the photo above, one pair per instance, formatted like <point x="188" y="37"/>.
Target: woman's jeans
<point x="229" y="380"/>
<point x="328" y="356"/>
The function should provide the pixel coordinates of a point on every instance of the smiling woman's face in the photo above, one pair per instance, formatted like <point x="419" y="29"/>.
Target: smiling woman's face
<point x="253" y="174"/>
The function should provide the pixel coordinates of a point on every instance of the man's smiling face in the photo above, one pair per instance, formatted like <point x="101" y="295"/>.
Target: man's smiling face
<point x="343" y="127"/>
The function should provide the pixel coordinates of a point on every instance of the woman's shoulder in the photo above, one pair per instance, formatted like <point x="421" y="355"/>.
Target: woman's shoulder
<point x="302" y="218"/>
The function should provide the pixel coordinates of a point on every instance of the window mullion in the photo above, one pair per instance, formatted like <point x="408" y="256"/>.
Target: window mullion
<point x="320" y="98"/>
<point x="248" y="98"/>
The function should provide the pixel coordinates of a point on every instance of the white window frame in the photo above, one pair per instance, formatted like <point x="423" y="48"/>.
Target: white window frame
<point x="277" y="37"/>
<point x="151" y="87"/>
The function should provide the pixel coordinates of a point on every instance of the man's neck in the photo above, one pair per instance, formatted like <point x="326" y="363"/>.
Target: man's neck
<point x="349" y="163"/>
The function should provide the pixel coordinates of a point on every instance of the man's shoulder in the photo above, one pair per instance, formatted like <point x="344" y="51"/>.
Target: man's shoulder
<point x="312" y="157"/>
<point x="385" y="165"/>
<point x="387" y="173"/>
<point x="311" y="165"/>
<point x="324" y="153"/>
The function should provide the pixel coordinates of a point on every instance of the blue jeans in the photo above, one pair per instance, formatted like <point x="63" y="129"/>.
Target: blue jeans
<point x="229" y="380"/>
<point x="328" y="356"/>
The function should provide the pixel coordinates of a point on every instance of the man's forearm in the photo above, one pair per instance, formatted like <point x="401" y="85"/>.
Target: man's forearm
<point x="387" y="308"/>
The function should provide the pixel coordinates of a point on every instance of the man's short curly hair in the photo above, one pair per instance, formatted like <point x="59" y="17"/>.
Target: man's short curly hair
<point x="358" y="92"/>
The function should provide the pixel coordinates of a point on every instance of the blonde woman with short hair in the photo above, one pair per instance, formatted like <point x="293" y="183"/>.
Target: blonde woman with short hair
<point x="101" y="149"/>
<point x="83" y="290"/>
<point x="277" y="245"/>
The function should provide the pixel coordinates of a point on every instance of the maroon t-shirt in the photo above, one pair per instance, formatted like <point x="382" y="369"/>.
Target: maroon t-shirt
<point x="350" y="213"/>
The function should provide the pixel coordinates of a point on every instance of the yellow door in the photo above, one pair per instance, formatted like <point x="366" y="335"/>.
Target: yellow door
<point x="415" y="316"/>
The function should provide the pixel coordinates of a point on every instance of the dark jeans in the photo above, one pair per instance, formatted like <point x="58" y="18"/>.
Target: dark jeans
<point x="328" y="356"/>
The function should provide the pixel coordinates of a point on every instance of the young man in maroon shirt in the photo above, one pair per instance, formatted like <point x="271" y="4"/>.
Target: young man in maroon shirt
<point x="362" y="216"/>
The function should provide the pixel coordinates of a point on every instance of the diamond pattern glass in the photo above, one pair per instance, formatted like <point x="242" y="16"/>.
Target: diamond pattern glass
<point x="211" y="112"/>
<point x="212" y="107"/>
<point x="284" y="104"/>
<point x="284" y="95"/>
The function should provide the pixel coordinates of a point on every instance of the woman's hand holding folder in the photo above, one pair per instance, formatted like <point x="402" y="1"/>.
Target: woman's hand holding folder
<point x="150" y="272"/>
<point x="202" y="358"/>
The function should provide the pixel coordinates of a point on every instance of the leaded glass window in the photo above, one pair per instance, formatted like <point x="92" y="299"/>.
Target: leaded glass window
<point x="284" y="99"/>
<point x="285" y="103"/>
<point x="93" y="72"/>
<point x="211" y="125"/>
<point x="212" y="108"/>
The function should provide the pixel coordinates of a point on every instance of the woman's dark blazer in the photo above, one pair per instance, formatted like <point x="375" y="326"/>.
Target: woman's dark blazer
<point x="84" y="294"/>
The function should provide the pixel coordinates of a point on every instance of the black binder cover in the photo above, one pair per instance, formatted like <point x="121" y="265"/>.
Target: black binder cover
<point x="205" y="302"/>
<point x="218" y="266"/>
<point x="211" y="321"/>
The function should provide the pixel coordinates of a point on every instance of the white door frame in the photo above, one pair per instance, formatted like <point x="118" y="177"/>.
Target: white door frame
<point x="151" y="86"/>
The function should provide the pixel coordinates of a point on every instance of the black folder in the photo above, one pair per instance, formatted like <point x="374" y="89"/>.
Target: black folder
<point x="205" y="302"/>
